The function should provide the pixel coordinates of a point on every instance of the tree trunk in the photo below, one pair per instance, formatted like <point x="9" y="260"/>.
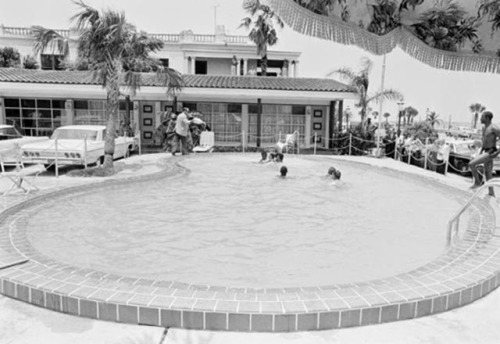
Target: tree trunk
<point x="363" y="115"/>
<point x="112" y="94"/>
<point x="263" y="65"/>
<point x="475" y="120"/>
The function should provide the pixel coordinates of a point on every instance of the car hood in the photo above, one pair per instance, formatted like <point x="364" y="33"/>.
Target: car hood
<point x="61" y="145"/>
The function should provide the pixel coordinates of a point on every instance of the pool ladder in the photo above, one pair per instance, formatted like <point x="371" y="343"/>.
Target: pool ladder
<point x="453" y="224"/>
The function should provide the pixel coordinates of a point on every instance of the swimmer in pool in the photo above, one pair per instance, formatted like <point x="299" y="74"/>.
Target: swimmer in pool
<point x="283" y="172"/>
<point x="263" y="159"/>
<point x="334" y="174"/>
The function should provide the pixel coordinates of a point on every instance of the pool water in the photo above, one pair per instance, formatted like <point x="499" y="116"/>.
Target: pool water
<point x="232" y="222"/>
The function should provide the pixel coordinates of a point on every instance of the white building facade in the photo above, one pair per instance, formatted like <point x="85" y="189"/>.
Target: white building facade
<point x="221" y="81"/>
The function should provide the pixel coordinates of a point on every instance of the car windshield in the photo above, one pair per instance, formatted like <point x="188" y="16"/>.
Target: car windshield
<point x="9" y="133"/>
<point x="74" y="134"/>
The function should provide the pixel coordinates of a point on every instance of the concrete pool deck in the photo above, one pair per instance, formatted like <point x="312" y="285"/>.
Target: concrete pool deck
<point x="344" y="307"/>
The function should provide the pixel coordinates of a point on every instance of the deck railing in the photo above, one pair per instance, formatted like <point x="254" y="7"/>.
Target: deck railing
<point x="26" y="31"/>
<point x="165" y="37"/>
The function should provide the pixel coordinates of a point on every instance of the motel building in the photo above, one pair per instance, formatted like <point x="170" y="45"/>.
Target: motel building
<point x="221" y="82"/>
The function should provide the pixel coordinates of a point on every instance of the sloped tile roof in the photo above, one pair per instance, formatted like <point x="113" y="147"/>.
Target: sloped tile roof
<point x="189" y="81"/>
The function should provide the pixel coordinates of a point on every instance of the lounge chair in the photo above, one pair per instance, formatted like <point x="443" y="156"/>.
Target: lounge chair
<point x="289" y="144"/>
<point x="20" y="177"/>
<point x="207" y="141"/>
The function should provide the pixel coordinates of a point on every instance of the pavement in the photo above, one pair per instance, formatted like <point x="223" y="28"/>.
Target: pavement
<point x="22" y="323"/>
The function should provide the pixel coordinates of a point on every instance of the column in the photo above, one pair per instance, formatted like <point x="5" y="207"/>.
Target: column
<point x="245" y="66"/>
<point x="328" y="133"/>
<point x="284" y="70"/>
<point x="3" y="120"/>
<point x="245" y="124"/>
<point x="341" y="112"/>
<point x="296" y="69"/>
<point x="68" y="116"/>
<point x="238" y="67"/>
<point x="193" y="65"/>
<point x="187" y="59"/>
<point x="307" y="132"/>
<point x="158" y="113"/>
<point x="135" y="116"/>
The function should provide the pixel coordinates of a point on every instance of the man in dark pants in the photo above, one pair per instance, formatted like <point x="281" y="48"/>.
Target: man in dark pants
<point x="181" y="132"/>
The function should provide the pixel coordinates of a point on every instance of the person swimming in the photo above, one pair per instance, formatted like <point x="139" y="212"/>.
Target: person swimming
<point x="334" y="174"/>
<point x="263" y="155"/>
<point x="283" y="171"/>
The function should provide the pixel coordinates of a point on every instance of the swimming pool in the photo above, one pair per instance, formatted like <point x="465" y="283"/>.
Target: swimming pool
<point x="232" y="222"/>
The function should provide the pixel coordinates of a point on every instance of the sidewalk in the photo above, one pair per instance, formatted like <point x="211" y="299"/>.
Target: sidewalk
<point x="22" y="323"/>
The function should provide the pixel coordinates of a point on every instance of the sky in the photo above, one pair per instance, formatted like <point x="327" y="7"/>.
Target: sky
<point x="447" y="93"/>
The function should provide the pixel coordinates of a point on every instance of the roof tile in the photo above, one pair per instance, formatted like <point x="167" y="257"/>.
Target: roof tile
<point x="189" y="81"/>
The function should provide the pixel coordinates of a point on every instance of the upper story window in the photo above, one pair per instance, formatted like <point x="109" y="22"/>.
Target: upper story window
<point x="164" y="62"/>
<point x="51" y="62"/>
<point x="200" y="67"/>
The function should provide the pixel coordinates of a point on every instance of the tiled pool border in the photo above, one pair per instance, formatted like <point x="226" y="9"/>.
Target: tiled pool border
<point x="464" y="273"/>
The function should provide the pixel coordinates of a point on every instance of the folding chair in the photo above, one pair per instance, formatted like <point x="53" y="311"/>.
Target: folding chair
<point x="207" y="142"/>
<point x="289" y="144"/>
<point x="21" y="177"/>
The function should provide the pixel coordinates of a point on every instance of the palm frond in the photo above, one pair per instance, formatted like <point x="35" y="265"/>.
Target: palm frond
<point x="388" y="94"/>
<point x="87" y="15"/>
<point x="344" y="73"/>
<point x="170" y="78"/>
<point x="44" y="38"/>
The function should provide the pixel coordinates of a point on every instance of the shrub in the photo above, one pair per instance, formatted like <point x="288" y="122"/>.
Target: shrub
<point x="29" y="62"/>
<point x="9" y="57"/>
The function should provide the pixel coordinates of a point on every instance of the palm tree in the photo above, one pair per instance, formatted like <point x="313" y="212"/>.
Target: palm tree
<point x="410" y="113"/>
<point x="387" y="115"/>
<point x="113" y="48"/>
<point x="262" y="33"/>
<point x="433" y="119"/>
<point x="476" y="109"/>
<point x="360" y="82"/>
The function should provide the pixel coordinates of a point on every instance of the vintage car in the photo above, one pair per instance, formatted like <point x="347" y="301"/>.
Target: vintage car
<point x="76" y="145"/>
<point x="463" y="151"/>
<point x="11" y="141"/>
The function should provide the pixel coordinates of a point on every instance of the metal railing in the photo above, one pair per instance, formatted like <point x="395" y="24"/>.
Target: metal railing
<point x="453" y="224"/>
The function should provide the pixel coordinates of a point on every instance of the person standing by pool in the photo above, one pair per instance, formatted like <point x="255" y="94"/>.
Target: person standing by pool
<point x="181" y="132"/>
<point x="489" y="151"/>
<point x="170" y="134"/>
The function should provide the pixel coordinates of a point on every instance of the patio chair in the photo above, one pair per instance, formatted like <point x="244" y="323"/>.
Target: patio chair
<point x="289" y="144"/>
<point x="20" y="177"/>
<point x="207" y="142"/>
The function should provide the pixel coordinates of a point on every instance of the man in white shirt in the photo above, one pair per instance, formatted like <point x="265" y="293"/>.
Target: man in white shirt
<point x="181" y="132"/>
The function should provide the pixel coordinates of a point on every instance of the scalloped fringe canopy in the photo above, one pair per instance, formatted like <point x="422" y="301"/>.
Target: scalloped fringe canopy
<point x="328" y="28"/>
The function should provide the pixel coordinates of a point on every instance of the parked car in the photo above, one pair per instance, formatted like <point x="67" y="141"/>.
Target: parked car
<point x="11" y="141"/>
<point x="462" y="152"/>
<point x="76" y="145"/>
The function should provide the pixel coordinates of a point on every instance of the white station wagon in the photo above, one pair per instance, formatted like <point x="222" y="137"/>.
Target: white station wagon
<point x="11" y="141"/>
<point x="76" y="145"/>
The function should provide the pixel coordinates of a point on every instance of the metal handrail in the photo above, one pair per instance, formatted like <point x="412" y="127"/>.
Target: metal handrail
<point x="455" y="220"/>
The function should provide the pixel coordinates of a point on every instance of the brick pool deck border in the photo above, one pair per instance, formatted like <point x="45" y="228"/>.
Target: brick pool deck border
<point x="465" y="272"/>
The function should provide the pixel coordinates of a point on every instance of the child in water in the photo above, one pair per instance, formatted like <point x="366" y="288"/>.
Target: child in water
<point x="334" y="174"/>
<point x="283" y="172"/>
